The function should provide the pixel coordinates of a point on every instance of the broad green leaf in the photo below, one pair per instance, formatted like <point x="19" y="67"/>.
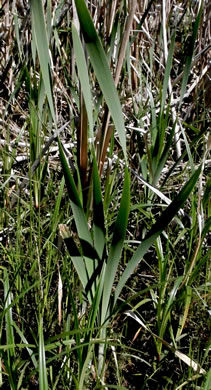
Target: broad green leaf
<point x="83" y="76"/>
<point x="75" y="255"/>
<point x="84" y="259"/>
<point x="166" y="217"/>
<point x="41" y="40"/>
<point x="94" y="310"/>
<point x="207" y="384"/>
<point x="79" y="216"/>
<point x="87" y="26"/>
<point x="116" y="245"/>
<point x="100" y="64"/>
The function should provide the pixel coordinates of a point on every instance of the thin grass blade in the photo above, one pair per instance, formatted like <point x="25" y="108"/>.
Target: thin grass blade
<point x="191" y="363"/>
<point x="98" y="212"/>
<point x="190" y="55"/>
<point x="166" y="217"/>
<point x="167" y="72"/>
<point x="8" y="314"/>
<point x="169" y="305"/>
<point x="43" y="381"/>
<point x="29" y="350"/>
<point x="41" y="40"/>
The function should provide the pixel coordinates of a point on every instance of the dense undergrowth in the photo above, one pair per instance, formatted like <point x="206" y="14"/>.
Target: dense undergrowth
<point x="105" y="194"/>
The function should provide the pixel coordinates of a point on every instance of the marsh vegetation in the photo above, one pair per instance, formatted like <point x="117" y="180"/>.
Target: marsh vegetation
<point x="105" y="184"/>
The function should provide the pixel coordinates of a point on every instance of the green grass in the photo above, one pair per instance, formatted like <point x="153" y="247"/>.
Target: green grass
<point x="105" y="211"/>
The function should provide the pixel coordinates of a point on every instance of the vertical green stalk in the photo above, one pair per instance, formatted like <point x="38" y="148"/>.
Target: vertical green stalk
<point x="43" y="381"/>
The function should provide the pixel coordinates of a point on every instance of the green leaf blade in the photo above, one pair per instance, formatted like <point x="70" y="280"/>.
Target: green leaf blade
<point x="79" y="216"/>
<point x="98" y="212"/>
<point x="43" y="381"/>
<point x="41" y="40"/>
<point x="156" y="230"/>
<point x="116" y="246"/>
<point x="84" y="78"/>
<point x="100" y="64"/>
<point x="190" y="54"/>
